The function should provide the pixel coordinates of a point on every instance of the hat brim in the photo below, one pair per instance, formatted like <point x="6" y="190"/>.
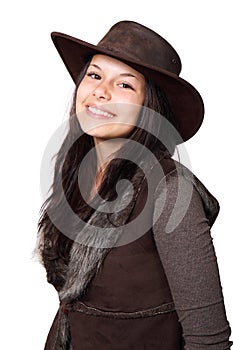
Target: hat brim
<point x="185" y="101"/>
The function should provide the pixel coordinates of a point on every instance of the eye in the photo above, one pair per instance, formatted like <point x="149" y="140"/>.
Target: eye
<point x="94" y="75"/>
<point x="126" y="86"/>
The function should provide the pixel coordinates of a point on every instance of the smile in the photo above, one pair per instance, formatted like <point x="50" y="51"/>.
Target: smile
<point x="99" y="113"/>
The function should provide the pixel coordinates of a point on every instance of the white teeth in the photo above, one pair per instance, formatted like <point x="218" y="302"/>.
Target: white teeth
<point x="99" y="112"/>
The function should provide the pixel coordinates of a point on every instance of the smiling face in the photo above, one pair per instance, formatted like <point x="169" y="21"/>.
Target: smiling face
<point x="109" y="98"/>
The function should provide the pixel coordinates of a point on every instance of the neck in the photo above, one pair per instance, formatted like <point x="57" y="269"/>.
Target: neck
<point x="105" y="151"/>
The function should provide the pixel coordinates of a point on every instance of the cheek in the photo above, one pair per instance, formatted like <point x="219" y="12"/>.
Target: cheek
<point x="81" y="96"/>
<point x="79" y="99"/>
<point x="128" y="112"/>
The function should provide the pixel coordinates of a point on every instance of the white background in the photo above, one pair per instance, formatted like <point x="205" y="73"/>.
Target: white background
<point x="35" y="91"/>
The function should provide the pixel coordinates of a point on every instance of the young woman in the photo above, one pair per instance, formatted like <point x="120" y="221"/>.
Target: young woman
<point x="125" y="233"/>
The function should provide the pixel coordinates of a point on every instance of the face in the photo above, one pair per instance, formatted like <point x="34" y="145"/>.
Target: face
<point x="109" y="98"/>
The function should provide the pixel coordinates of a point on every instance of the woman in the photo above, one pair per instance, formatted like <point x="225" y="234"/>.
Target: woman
<point x="125" y="234"/>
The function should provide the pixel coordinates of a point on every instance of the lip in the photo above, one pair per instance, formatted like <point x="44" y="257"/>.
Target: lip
<point x="98" y="112"/>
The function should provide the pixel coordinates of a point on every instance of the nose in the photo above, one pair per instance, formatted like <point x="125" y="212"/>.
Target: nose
<point x="102" y="91"/>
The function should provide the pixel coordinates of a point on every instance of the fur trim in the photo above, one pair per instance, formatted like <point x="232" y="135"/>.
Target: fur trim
<point x="90" y="247"/>
<point x="96" y="239"/>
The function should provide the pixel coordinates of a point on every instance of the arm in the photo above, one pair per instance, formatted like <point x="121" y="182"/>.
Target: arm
<point x="188" y="257"/>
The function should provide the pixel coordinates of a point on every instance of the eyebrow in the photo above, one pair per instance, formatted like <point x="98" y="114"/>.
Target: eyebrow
<point x="122" y="74"/>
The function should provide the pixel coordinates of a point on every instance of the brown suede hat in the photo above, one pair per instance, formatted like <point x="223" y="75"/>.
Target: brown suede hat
<point x="148" y="53"/>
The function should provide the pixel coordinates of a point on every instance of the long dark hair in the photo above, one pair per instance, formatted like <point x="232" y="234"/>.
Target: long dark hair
<point x="54" y="245"/>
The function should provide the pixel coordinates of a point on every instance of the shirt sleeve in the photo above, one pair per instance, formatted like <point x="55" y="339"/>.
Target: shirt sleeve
<point x="183" y="239"/>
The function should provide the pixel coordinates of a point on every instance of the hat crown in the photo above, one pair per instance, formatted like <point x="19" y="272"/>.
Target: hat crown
<point x="135" y="41"/>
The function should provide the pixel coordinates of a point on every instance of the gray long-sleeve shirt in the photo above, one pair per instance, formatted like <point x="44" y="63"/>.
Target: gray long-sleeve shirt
<point x="183" y="239"/>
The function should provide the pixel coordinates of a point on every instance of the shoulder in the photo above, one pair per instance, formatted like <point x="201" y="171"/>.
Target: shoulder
<point x="179" y="188"/>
